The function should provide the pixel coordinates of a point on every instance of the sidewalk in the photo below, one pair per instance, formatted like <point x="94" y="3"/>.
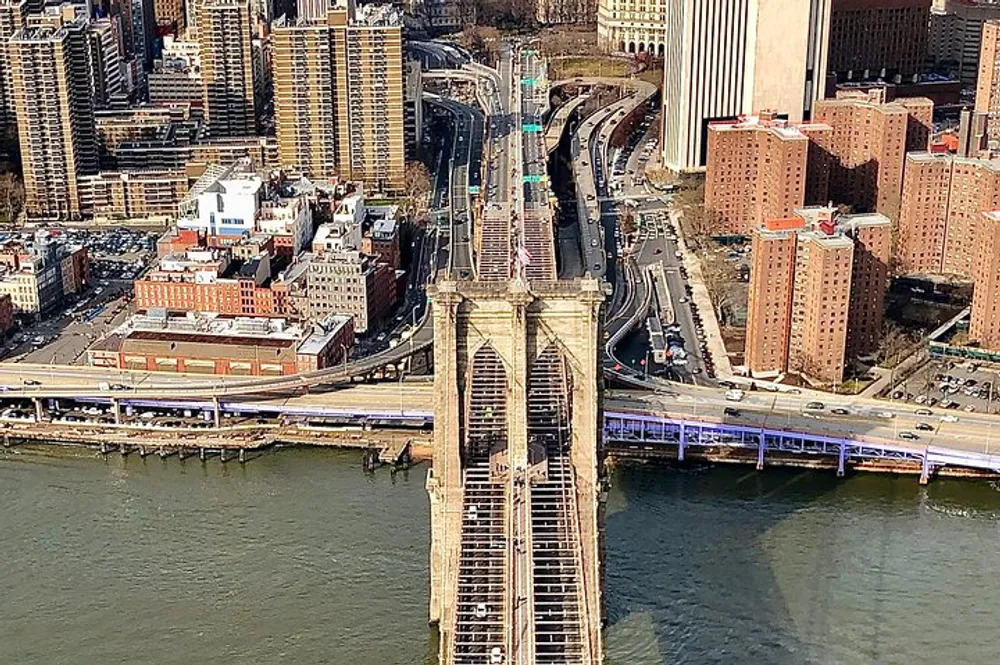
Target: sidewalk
<point x="700" y="297"/>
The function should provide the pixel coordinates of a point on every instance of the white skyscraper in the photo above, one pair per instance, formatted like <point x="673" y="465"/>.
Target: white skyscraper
<point x="725" y="58"/>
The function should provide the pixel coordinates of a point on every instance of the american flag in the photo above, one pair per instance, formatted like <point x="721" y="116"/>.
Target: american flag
<point x="523" y="255"/>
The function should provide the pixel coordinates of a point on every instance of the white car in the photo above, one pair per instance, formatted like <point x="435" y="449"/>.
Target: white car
<point x="949" y="419"/>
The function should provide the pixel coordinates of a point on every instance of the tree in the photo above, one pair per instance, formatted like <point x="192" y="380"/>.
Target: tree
<point x="418" y="186"/>
<point x="628" y="223"/>
<point x="893" y="342"/>
<point x="11" y="196"/>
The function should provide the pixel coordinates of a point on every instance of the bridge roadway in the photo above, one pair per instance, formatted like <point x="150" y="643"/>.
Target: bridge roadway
<point x="971" y="435"/>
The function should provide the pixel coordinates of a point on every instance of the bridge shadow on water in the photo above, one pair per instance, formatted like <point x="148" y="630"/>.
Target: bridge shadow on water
<point x="728" y="565"/>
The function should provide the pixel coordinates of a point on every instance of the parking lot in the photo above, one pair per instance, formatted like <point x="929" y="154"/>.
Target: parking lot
<point x="116" y="258"/>
<point x="966" y="386"/>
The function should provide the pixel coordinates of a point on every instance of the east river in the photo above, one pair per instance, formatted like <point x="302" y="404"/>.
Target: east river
<point x="300" y="557"/>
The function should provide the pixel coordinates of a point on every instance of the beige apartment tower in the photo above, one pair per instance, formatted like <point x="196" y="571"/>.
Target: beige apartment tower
<point x="338" y="96"/>
<point x="13" y="17"/>
<point x="985" y="325"/>
<point x="227" y="67"/>
<point x="772" y="56"/>
<point x="631" y="26"/>
<point x="868" y="145"/>
<point x="817" y="290"/>
<point x="758" y="168"/>
<point x="52" y="98"/>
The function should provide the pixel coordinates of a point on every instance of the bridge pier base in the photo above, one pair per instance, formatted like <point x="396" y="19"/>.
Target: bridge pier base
<point x="222" y="455"/>
<point x="39" y="409"/>
<point x="681" y="442"/>
<point x="925" y="470"/>
<point x="760" y="452"/>
<point x="216" y="412"/>
<point x="841" y="460"/>
<point x="243" y="456"/>
<point x="202" y="455"/>
<point x="104" y="448"/>
<point x="123" y="449"/>
<point x="143" y="451"/>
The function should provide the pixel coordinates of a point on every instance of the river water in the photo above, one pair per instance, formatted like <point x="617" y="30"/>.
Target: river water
<point x="299" y="557"/>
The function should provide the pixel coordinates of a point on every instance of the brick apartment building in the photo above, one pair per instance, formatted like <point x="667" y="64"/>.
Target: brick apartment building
<point x="868" y="144"/>
<point x="817" y="288"/>
<point x="758" y="168"/>
<point x="943" y="200"/>
<point x="210" y="280"/>
<point x="984" y="329"/>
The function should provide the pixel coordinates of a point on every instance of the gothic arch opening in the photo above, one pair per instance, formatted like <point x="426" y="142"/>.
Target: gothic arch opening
<point x="486" y="407"/>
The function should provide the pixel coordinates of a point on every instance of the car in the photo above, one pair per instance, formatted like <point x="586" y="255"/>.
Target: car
<point x="815" y="406"/>
<point x="949" y="419"/>
<point x="473" y="513"/>
<point x="969" y="409"/>
<point x="924" y="412"/>
<point x="730" y="411"/>
<point x="683" y="300"/>
<point x="481" y="611"/>
<point x="841" y="411"/>
<point x="925" y="427"/>
<point x="908" y="436"/>
<point x="32" y="382"/>
<point x="496" y="656"/>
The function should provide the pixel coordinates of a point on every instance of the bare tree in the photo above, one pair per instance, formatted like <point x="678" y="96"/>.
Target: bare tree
<point x="11" y="196"/>
<point x="628" y="223"/>
<point x="418" y="186"/>
<point x="893" y="342"/>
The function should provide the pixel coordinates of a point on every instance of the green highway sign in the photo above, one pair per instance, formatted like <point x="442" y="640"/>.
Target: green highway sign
<point x="473" y="189"/>
<point x="532" y="178"/>
<point x="531" y="128"/>
<point x="528" y="81"/>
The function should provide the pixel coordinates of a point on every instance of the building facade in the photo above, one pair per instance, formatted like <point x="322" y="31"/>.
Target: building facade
<point x="988" y="83"/>
<point x="868" y="145"/>
<point x="228" y="68"/>
<point x="817" y="289"/>
<point x="339" y="96"/>
<point x="757" y="169"/>
<point x="943" y="200"/>
<point x="955" y="35"/>
<point x="632" y="26"/>
<point x="875" y="36"/>
<point x="50" y="78"/>
<point x="707" y="79"/>
<point x="158" y="342"/>
<point x="984" y="328"/>
<point x="133" y="195"/>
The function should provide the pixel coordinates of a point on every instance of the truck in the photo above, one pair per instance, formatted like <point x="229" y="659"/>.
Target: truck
<point x="104" y="385"/>
<point x="734" y="395"/>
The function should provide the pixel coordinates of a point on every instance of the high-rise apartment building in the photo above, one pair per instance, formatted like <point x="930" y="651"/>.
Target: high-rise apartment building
<point x="631" y="26"/>
<point x="955" y="35"/>
<point x="878" y="35"/>
<point x="338" y="96"/>
<point x="51" y="83"/>
<point x="170" y="15"/>
<point x="817" y="289"/>
<point x="868" y="145"/>
<point x="943" y="200"/>
<point x="106" y="65"/>
<point x="552" y="12"/>
<point x="227" y="67"/>
<point x="757" y="169"/>
<point x="984" y="328"/>
<point x="988" y="83"/>
<point x="709" y="78"/>
<point x="13" y="17"/>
